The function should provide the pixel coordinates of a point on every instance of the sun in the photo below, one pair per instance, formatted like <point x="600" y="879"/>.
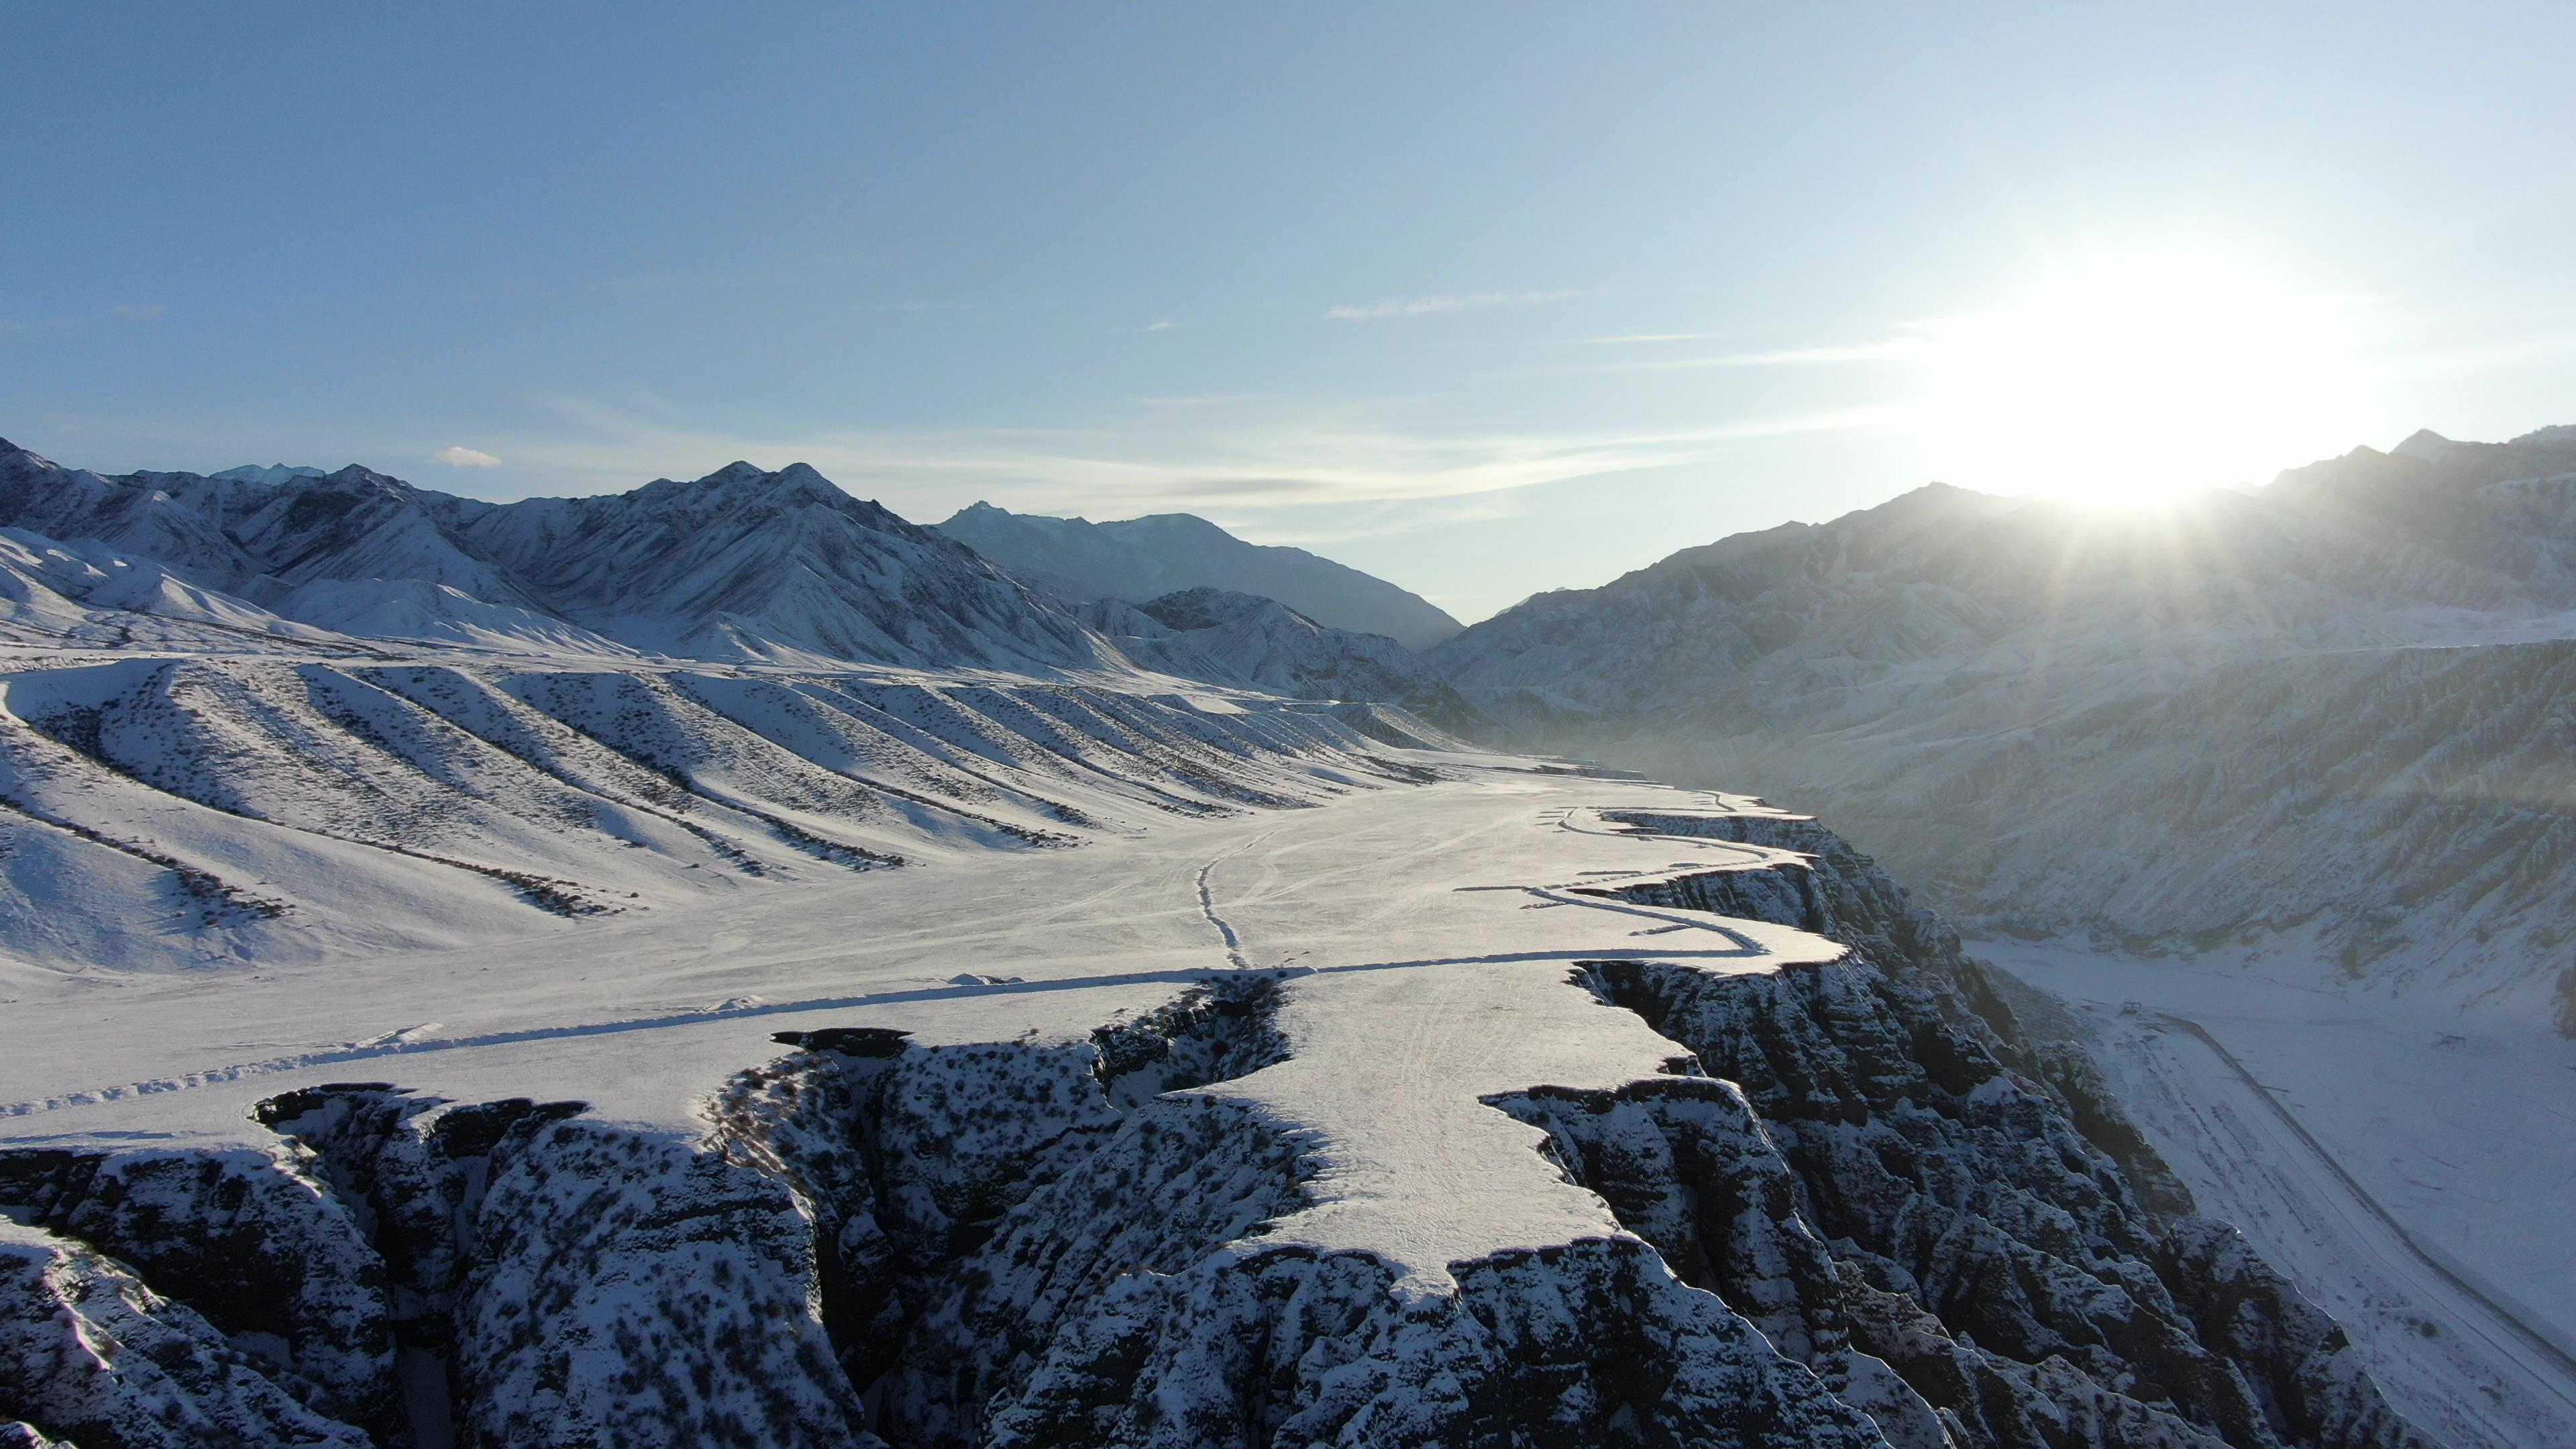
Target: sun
<point x="2133" y="379"/>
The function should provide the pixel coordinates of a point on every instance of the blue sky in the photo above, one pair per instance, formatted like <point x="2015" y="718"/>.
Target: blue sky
<point x="1482" y="299"/>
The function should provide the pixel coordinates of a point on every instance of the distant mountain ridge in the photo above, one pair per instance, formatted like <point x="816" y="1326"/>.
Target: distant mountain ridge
<point x="1257" y="643"/>
<point x="272" y="473"/>
<point x="2314" y="716"/>
<point x="743" y="564"/>
<point x="1145" y="558"/>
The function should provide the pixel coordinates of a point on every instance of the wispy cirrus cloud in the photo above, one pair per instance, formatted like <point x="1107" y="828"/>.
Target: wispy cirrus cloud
<point x="1905" y="346"/>
<point x="1259" y="456"/>
<point x="139" y="311"/>
<point x="1426" y="306"/>
<point x="1914" y="343"/>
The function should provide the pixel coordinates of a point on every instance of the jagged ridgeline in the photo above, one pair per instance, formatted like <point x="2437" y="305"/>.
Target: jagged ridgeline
<point x="1861" y="1207"/>
<point x="742" y="566"/>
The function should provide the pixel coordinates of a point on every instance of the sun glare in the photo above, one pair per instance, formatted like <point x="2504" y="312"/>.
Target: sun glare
<point x="2132" y="380"/>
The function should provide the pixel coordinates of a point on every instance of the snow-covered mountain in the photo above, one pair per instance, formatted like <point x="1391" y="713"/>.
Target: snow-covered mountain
<point x="1144" y="558"/>
<point x="270" y="473"/>
<point x="2312" y="716"/>
<point x="172" y="811"/>
<point x="720" y="964"/>
<point x="1230" y="638"/>
<point x="740" y="565"/>
<point x="55" y="594"/>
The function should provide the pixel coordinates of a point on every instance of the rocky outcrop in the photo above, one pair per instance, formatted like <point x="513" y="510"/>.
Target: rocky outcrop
<point x="250" y="1240"/>
<point x="1953" y="1218"/>
<point x="90" y="1355"/>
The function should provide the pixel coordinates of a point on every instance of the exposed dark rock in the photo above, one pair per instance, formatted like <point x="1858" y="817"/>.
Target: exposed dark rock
<point x="251" y="1240"/>
<point x="89" y="1355"/>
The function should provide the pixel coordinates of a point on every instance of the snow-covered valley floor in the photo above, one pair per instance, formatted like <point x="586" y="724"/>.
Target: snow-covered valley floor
<point x="1428" y="928"/>
<point x="2463" y="1297"/>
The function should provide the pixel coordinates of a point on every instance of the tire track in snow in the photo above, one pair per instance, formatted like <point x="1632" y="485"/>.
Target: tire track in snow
<point x="1207" y="902"/>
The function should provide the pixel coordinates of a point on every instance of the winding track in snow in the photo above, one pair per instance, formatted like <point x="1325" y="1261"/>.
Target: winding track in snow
<point x="1207" y="902"/>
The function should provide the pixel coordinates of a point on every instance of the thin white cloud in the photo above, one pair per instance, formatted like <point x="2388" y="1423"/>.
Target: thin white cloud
<point x="1425" y="306"/>
<point x="1909" y="345"/>
<point x="460" y="457"/>
<point x="139" y="311"/>
<point x="1901" y="348"/>
<point x="1165" y="325"/>
<point x="1279" y="458"/>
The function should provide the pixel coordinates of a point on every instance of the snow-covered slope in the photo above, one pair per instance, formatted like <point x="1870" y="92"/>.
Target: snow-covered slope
<point x="52" y="595"/>
<point x="1144" y="558"/>
<point x="175" y="811"/>
<point x="2304" y="716"/>
<point x="742" y="565"/>
<point x="1230" y="638"/>
<point x="780" y="566"/>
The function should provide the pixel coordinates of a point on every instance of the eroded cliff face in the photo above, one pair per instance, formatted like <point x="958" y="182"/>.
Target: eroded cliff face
<point x="1861" y="1210"/>
<point x="1966" y="1192"/>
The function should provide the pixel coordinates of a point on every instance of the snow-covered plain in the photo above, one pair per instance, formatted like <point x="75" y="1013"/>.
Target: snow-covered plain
<point x="2462" y="1133"/>
<point x="1431" y="943"/>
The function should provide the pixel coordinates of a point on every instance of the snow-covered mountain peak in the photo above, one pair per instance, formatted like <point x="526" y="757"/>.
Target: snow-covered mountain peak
<point x="741" y="564"/>
<point x="1178" y="526"/>
<point x="2425" y="445"/>
<point x="738" y="476"/>
<point x="272" y="473"/>
<point x="740" y="486"/>
<point x="15" y="460"/>
<point x="359" y="475"/>
<point x="1146" y="558"/>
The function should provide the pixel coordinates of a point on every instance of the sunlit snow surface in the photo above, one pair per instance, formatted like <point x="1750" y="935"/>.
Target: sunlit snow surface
<point x="1424" y="926"/>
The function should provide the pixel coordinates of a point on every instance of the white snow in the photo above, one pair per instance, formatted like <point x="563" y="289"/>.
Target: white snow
<point x="1429" y="955"/>
<point x="2464" y="1132"/>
